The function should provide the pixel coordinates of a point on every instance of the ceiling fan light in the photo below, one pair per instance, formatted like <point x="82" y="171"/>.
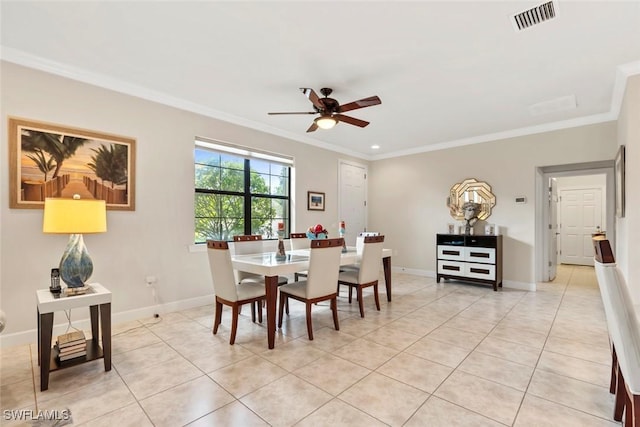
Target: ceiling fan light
<point x="326" y="122"/>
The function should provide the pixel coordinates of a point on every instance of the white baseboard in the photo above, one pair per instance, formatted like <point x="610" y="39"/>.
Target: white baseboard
<point x="511" y="284"/>
<point x="30" y="336"/>
<point x="521" y="286"/>
<point x="414" y="271"/>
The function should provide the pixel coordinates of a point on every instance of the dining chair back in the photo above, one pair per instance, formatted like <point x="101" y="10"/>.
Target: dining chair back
<point x="367" y="272"/>
<point x="324" y="266"/>
<point x="247" y="245"/>
<point x="299" y="241"/>
<point x="360" y="240"/>
<point x="228" y="292"/>
<point x="371" y="256"/>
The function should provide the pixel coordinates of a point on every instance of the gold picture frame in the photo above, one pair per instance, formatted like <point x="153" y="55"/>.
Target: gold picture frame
<point x="50" y="160"/>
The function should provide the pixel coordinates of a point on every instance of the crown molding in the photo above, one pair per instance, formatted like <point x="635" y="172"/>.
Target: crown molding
<point x="623" y="72"/>
<point x="106" y="82"/>
<point x="530" y="130"/>
<point x="19" y="57"/>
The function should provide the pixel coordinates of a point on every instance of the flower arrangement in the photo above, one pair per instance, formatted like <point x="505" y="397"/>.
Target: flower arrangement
<point x="317" y="232"/>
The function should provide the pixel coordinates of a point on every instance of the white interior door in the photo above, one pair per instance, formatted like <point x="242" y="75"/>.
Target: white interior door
<point x="581" y="215"/>
<point x="353" y="199"/>
<point x="553" y="228"/>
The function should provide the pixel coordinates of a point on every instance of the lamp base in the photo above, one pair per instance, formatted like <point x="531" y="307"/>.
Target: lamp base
<point x="76" y="266"/>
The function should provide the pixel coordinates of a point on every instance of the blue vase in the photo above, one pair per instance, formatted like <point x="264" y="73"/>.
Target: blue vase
<point x="75" y="266"/>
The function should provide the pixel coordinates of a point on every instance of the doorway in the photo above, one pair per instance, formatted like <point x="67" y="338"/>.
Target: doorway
<point x="352" y="209"/>
<point x="547" y="237"/>
<point x="581" y="213"/>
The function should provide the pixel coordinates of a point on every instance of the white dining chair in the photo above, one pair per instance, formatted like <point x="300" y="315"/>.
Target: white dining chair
<point x="324" y="265"/>
<point x="299" y="241"/>
<point x="367" y="272"/>
<point x="247" y="245"/>
<point x="228" y="291"/>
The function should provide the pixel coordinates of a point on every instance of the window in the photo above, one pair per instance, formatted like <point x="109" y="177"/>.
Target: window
<point x="239" y="191"/>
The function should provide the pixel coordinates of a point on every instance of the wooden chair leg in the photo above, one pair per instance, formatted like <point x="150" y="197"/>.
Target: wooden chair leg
<point x="634" y="409"/>
<point x="253" y="311"/>
<point x="628" y="419"/>
<point x="350" y="293"/>
<point x="309" y="325"/>
<point x="334" y="308"/>
<point x="375" y="294"/>
<point x="360" y="301"/>
<point x="218" y="317"/>
<point x="614" y="369"/>
<point x="283" y="297"/>
<point x="621" y="394"/>
<point x="235" y="312"/>
<point x="259" y="304"/>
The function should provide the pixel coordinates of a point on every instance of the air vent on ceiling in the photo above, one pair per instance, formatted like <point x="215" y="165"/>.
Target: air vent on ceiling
<point x="535" y="15"/>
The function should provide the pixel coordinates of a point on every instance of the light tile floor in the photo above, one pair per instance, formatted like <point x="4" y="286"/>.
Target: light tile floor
<point x="446" y="354"/>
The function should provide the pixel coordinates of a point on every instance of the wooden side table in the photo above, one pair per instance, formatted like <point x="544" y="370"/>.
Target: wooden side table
<point x="98" y="299"/>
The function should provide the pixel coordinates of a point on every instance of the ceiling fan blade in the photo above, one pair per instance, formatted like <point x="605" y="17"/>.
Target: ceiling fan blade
<point x="299" y="112"/>
<point x="351" y="120"/>
<point x="313" y="97"/>
<point x="361" y="103"/>
<point x="313" y="127"/>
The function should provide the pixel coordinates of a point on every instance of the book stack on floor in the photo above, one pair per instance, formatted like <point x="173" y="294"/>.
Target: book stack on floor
<point x="71" y="345"/>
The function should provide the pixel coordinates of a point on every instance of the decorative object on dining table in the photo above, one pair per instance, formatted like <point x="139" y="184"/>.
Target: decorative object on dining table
<point x="342" y="231"/>
<point x="281" y="254"/>
<point x="317" y="232"/>
<point x="75" y="217"/>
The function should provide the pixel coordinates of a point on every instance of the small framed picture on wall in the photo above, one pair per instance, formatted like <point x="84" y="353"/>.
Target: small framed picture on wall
<point x="315" y="201"/>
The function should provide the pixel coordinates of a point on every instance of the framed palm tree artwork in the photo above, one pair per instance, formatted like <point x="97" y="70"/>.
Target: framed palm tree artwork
<point x="48" y="160"/>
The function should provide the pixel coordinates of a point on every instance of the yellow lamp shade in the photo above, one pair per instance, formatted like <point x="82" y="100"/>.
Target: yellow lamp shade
<point x="74" y="216"/>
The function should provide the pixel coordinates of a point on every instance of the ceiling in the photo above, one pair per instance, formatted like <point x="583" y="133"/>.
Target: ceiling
<point x="448" y="73"/>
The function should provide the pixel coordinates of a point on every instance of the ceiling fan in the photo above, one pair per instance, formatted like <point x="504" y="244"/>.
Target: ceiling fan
<point x="331" y="111"/>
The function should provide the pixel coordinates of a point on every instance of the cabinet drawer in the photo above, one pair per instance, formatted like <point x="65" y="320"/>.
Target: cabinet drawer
<point x="485" y="255"/>
<point x="455" y="253"/>
<point x="451" y="267"/>
<point x="480" y="271"/>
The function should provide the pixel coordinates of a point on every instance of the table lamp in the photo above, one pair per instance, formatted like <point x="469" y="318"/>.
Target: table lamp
<point x="75" y="217"/>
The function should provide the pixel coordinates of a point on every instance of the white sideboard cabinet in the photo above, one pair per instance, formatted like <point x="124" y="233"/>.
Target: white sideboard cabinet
<point x="470" y="258"/>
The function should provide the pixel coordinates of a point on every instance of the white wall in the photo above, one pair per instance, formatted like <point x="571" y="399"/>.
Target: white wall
<point x="154" y="239"/>
<point x="628" y="228"/>
<point x="416" y="187"/>
<point x="406" y="195"/>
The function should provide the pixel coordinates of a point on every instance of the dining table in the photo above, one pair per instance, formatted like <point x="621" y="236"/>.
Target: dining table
<point x="270" y="266"/>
